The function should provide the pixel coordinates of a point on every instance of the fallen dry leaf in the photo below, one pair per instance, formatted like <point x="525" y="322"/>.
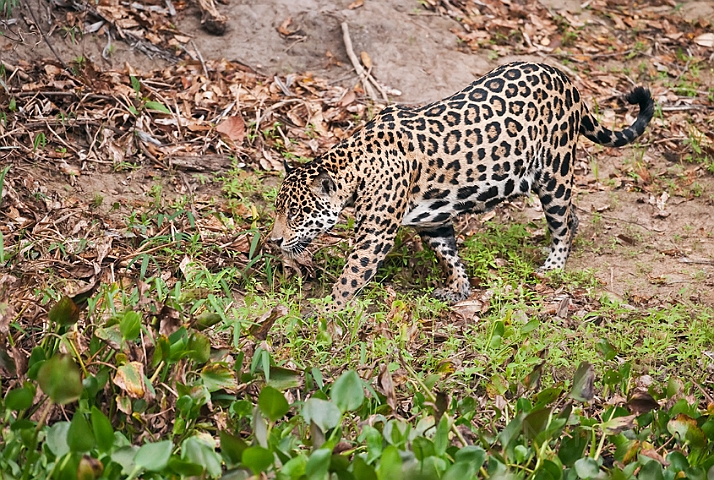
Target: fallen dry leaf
<point x="7" y="313"/>
<point x="130" y="378"/>
<point x="469" y="310"/>
<point x="169" y="320"/>
<point x="233" y="128"/>
<point x="270" y="162"/>
<point x="68" y="169"/>
<point x="52" y="70"/>
<point x="283" y="28"/>
<point x="648" y="452"/>
<point x="705" y="40"/>
<point x="242" y="243"/>
<point x="265" y="322"/>
<point x="641" y="401"/>
<point x="619" y="424"/>
<point x="366" y="61"/>
<point x="348" y="98"/>
<point x="563" y="308"/>
<point x="626" y="239"/>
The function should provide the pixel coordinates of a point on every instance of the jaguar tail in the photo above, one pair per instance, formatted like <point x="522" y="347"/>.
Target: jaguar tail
<point x="604" y="136"/>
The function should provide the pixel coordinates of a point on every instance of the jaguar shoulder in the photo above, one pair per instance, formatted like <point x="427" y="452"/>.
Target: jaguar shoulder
<point x="510" y="132"/>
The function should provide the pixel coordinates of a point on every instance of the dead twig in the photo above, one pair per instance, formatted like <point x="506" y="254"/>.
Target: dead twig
<point x="59" y="139"/>
<point x="615" y="219"/>
<point x="682" y="108"/>
<point x="592" y="56"/>
<point x="176" y="114"/>
<point x="200" y="58"/>
<point x="44" y="37"/>
<point x="47" y="94"/>
<point x="300" y="39"/>
<point x="368" y="82"/>
<point x="272" y="108"/>
<point x="72" y="123"/>
<point x="356" y="63"/>
<point x="696" y="261"/>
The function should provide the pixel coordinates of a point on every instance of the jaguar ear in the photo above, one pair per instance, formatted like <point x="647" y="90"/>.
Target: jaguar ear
<point x="324" y="185"/>
<point x="287" y="167"/>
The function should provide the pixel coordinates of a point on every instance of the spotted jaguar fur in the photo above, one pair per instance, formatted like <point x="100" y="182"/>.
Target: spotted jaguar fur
<point x="510" y="132"/>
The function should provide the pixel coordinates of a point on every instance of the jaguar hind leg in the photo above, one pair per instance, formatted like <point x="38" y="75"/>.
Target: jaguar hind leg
<point x="562" y="224"/>
<point x="442" y="240"/>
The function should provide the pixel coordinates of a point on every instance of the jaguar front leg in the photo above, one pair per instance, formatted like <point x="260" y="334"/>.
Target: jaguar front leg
<point x="441" y="239"/>
<point x="371" y="247"/>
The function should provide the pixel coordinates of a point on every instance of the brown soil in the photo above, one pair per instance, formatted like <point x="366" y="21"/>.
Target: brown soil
<point x="640" y="252"/>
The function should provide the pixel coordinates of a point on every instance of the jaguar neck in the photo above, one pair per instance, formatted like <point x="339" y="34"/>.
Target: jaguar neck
<point x="346" y="184"/>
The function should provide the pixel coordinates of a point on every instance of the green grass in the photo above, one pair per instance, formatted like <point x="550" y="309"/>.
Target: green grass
<point x="505" y="343"/>
<point x="217" y="331"/>
<point x="492" y="374"/>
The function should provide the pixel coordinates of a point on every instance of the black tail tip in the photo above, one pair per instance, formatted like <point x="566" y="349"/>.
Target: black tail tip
<point x="642" y="97"/>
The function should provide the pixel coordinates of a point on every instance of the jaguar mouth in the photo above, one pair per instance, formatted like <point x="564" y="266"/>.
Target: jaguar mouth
<point x="296" y="248"/>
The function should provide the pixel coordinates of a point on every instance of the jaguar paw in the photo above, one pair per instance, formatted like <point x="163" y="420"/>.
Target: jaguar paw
<point x="450" y="296"/>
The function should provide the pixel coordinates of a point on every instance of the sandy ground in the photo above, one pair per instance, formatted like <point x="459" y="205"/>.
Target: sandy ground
<point x="413" y="50"/>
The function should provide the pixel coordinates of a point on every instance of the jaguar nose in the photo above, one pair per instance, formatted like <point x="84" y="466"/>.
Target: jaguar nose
<point x="277" y="241"/>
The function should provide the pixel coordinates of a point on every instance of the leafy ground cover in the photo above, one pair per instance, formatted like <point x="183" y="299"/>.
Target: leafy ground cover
<point x="149" y="332"/>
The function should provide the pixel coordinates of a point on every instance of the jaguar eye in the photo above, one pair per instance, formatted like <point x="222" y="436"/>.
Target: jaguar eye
<point x="293" y="212"/>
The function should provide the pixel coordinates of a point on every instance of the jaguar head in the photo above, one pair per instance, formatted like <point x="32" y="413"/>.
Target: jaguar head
<point x="306" y="206"/>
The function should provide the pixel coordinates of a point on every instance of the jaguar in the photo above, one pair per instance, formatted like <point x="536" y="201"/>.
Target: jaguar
<point x="511" y="132"/>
